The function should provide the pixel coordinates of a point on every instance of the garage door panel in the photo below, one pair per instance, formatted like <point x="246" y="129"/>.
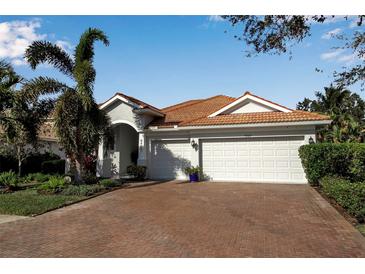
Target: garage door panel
<point x="268" y="152"/>
<point x="282" y="152"/>
<point x="243" y="152"/>
<point x="268" y="164"/>
<point x="254" y="164"/>
<point x="242" y="163"/>
<point x="269" y="176"/>
<point x="256" y="159"/>
<point x="169" y="159"/>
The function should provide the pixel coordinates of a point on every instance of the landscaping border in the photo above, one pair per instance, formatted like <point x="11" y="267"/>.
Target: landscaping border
<point x="81" y="200"/>
<point x="335" y="205"/>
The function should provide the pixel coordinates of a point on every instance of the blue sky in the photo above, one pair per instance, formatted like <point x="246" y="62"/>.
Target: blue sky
<point x="164" y="60"/>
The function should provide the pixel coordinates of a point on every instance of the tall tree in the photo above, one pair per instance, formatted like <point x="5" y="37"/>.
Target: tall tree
<point x="276" y="34"/>
<point x="79" y="123"/>
<point x="346" y="109"/>
<point x="20" y="115"/>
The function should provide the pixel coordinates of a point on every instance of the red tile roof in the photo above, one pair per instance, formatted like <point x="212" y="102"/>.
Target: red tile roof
<point x="196" y="112"/>
<point x="187" y="111"/>
<point x="180" y="105"/>
<point x="256" y="118"/>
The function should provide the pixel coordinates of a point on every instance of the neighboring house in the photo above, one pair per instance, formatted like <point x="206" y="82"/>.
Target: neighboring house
<point x="47" y="140"/>
<point x="246" y="139"/>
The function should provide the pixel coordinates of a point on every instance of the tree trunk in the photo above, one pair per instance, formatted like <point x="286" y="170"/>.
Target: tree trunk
<point x="19" y="162"/>
<point x="19" y="167"/>
<point x="79" y="168"/>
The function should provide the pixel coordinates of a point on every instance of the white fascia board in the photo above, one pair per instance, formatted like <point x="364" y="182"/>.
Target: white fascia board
<point x="286" y="124"/>
<point x="148" y="111"/>
<point x="253" y="98"/>
<point x="118" y="97"/>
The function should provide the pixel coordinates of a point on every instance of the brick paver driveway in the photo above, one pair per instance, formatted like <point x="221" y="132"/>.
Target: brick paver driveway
<point x="189" y="220"/>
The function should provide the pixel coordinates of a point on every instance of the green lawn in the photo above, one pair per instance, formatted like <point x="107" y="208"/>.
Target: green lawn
<point x="29" y="202"/>
<point x="361" y="228"/>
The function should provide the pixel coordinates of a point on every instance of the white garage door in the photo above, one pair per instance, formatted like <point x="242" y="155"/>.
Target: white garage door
<point x="169" y="158"/>
<point x="253" y="160"/>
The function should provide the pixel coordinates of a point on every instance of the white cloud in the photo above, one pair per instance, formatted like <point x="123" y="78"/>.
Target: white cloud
<point x="331" y="55"/>
<point x="18" y="62"/>
<point x="348" y="59"/>
<point x="215" y="18"/>
<point x="16" y="36"/>
<point x="332" y="33"/>
<point x="65" y="45"/>
<point x="329" y="19"/>
<point x="353" y="24"/>
<point x="340" y="56"/>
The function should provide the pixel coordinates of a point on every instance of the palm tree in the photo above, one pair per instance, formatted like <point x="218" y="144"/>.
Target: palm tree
<point x="20" y="116"/>
<point x="79" y="123"/>
<point x="346" y="111"/>
<point x="332" y="101"/>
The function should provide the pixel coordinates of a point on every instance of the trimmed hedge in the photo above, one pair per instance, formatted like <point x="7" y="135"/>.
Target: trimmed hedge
<point x="33" y="163"/>
<point x="351" y="196"/>
<point x="138" y="172"/>
<point x="53" y="167"/>
<point x="110" y="183"/>
<point x="345" y="160"/>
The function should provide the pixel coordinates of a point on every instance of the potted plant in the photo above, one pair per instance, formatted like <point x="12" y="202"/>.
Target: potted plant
<point x="193" y="173"/>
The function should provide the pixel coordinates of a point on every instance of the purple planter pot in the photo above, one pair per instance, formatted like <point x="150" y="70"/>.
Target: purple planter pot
<point x="194" y="177"/>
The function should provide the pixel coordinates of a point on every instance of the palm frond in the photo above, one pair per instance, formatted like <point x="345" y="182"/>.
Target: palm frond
<point x="45" y="52"/>
<point x="42" y="86"/>
<point x="85" y="48"/>
<point x="8" y="77"/>
<point x="85" y="77"/>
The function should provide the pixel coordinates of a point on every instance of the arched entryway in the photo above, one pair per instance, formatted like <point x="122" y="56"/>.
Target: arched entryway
<point x="122" y="151"/>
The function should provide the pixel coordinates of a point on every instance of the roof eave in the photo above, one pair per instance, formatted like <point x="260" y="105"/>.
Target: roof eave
<point x="277" y="124"/>
<point x="149" y="111"/>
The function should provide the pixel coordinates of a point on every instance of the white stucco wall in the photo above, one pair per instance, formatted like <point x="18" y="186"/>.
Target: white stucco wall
<point x="129" y="127"/>
<point x="250" y="107"/>
<point x="121" y="112"/>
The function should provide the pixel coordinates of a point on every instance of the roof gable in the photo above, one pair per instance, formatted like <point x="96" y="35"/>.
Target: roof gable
<point x="135" y="103"/>
<point x="249" y="103"/>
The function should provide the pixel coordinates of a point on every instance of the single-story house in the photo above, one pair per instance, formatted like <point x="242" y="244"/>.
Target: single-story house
<point x="245" y="139"/>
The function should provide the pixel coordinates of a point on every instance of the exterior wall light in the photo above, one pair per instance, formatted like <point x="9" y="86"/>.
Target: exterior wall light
<point x="311" y="141"/>
<point x="194" y="144"/>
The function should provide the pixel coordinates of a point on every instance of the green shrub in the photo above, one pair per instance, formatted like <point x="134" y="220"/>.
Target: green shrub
<point x="345" y="160"/>
<point x="90" y="179"/>
<point x="138" y="172"/>
<point x="53" y="167"/>
<point x="109" y="183"/>
<point x="54" y="185"/>
<point x="351" y="196"/>
<point x="33" y="163"/>
<point x="82" y="190"/>
<point x="37" y="177"/>
<point x="9" y="180"/>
